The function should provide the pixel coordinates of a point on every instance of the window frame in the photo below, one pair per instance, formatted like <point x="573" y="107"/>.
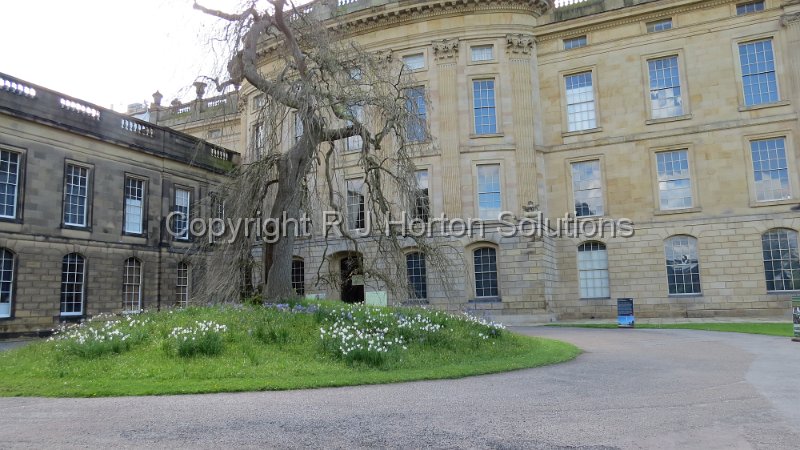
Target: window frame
<point x="789" y="145"/>
<point x="182" y="298"/>
<point x="20" y="185"/>
<point x="84" y="276"/>
<point x="580" y="271"/>
<point x="667" y="266"/>
<point x="258" y="139"/>
<point x="682" y="78"/>
<point x="259" y="100"/>
<point x="479" y="44"/>
<point x="777" y="44"/>
<point x="422" y="53"/>
<point x="87" y="224"/>
<point x="655" y="22"/>
<point x="694" y="185"/>
<point x="173" y="208"/>
<point x="564" y="41"/>
<point x="420" y="272"/>
<point x="12" y="289"/>
<point x="422" y="133"/>
<point x="296" y="260"/>
<point x="477" y="197"/>
<point x="422" y="210"/>
<point x="216" y="210"/>
<point x="562" y="82"/>
<point x="792" y="233"/>
<point x="497" y="294"/>
<point x="603" y="187"/>
<point x="362" y="218"/>
<point x="735" y="8"/>
<point x="144" y="206"/>
<point x="126" y="284"/>
<point x="495" y="78"/>
<point x="359" y="112"/>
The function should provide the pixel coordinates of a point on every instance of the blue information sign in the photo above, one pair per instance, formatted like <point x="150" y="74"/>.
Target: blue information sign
<point x="625" y="313"/>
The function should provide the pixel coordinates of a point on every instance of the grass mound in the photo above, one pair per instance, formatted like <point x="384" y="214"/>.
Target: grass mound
<point x="246" y="348"/>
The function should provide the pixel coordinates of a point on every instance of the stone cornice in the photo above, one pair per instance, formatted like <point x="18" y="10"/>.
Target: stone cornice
<point x="397" y="13"/>
<point x="380" y="17"/>
<point x="601" y="22"/>
<point x="519" y="44"/>
<point x="445" y="50"/>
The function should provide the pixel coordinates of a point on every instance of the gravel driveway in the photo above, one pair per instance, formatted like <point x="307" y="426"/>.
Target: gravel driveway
<point x="630" y="389"/>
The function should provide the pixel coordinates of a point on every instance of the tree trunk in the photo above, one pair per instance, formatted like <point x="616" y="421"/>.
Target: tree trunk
<point x="293" y="168"/>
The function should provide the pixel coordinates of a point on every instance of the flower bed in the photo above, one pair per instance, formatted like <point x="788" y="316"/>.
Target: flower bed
<point x="235" y="347"/>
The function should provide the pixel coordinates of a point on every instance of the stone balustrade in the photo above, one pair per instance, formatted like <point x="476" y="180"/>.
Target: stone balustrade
<point x="26" y="100"/>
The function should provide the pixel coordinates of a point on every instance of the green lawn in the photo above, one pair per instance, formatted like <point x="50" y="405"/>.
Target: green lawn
<point x="771" y="329"/>
<point x="266" y="349"/>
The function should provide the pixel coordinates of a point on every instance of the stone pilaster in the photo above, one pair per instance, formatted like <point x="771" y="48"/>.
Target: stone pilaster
<point x="790" y="22"/>
<point x="445" y="53"/>
<point x="519" y="49"/>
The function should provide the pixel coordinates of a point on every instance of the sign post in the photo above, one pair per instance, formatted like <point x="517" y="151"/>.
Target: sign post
<point x="796" y="318"/>
<point x="625" y="313"/>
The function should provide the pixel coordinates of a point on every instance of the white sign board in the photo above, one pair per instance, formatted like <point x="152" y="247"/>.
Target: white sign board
<point x="376" y="298"/>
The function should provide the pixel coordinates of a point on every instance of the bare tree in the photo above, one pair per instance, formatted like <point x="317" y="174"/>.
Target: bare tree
<point x="340" y="104"/>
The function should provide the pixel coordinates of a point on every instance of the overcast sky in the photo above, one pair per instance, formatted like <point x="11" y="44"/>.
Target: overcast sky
<point x="109" y="52"/>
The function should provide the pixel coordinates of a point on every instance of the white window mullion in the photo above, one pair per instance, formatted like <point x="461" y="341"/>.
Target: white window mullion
<point x="181" y="218"/>
<point x="490" y="201"/>
<point x="134" y="205"/>
<point x="76" y="196"/>
<point x="9" y="184"/>
<point x="580" y="102"/>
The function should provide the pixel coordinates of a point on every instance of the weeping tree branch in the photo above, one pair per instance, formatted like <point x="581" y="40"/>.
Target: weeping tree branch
<point x="329" y="104"/>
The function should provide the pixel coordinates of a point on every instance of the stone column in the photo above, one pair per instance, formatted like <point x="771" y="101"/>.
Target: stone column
<point x="519" y="49"/>
<point x="445" y="53"/>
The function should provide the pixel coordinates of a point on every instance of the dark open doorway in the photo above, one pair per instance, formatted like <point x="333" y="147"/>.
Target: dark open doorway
<point x="352" y="279"/>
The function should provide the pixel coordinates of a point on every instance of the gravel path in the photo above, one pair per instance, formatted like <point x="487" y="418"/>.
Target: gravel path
<point x="630" y="389"/>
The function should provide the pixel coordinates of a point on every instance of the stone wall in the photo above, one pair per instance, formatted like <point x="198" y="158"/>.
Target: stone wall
<point x="46" y="140"/>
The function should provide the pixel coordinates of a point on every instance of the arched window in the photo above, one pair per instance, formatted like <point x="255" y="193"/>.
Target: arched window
<point x="182" y="285"/>
<point x="6" y="282"/>
<point x="485" y="263"/>
<point x="593" y="270"/>
<point x="417" y="276"/>
<point x="73" y="284"/>
<point x="132" y="285"/>
<point x="781" y="261"/>
<point x="683" y="266"/>
<point x="299" y="276"/>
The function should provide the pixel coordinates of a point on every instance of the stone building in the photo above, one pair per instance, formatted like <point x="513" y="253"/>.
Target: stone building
<point x="680" y="115"/>
<point x="84" y="193"/>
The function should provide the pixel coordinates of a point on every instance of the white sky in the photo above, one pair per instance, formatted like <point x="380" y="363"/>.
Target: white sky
<point x="108" y="52"/>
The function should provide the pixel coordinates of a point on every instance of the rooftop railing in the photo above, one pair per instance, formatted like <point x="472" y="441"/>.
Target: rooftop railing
<point x="196" y="110"/>
<point x="562" y="3"/>
<point x="28" y="101"/>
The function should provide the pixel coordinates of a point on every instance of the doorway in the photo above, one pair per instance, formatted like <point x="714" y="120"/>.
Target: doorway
<point x="352" y="278"/>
